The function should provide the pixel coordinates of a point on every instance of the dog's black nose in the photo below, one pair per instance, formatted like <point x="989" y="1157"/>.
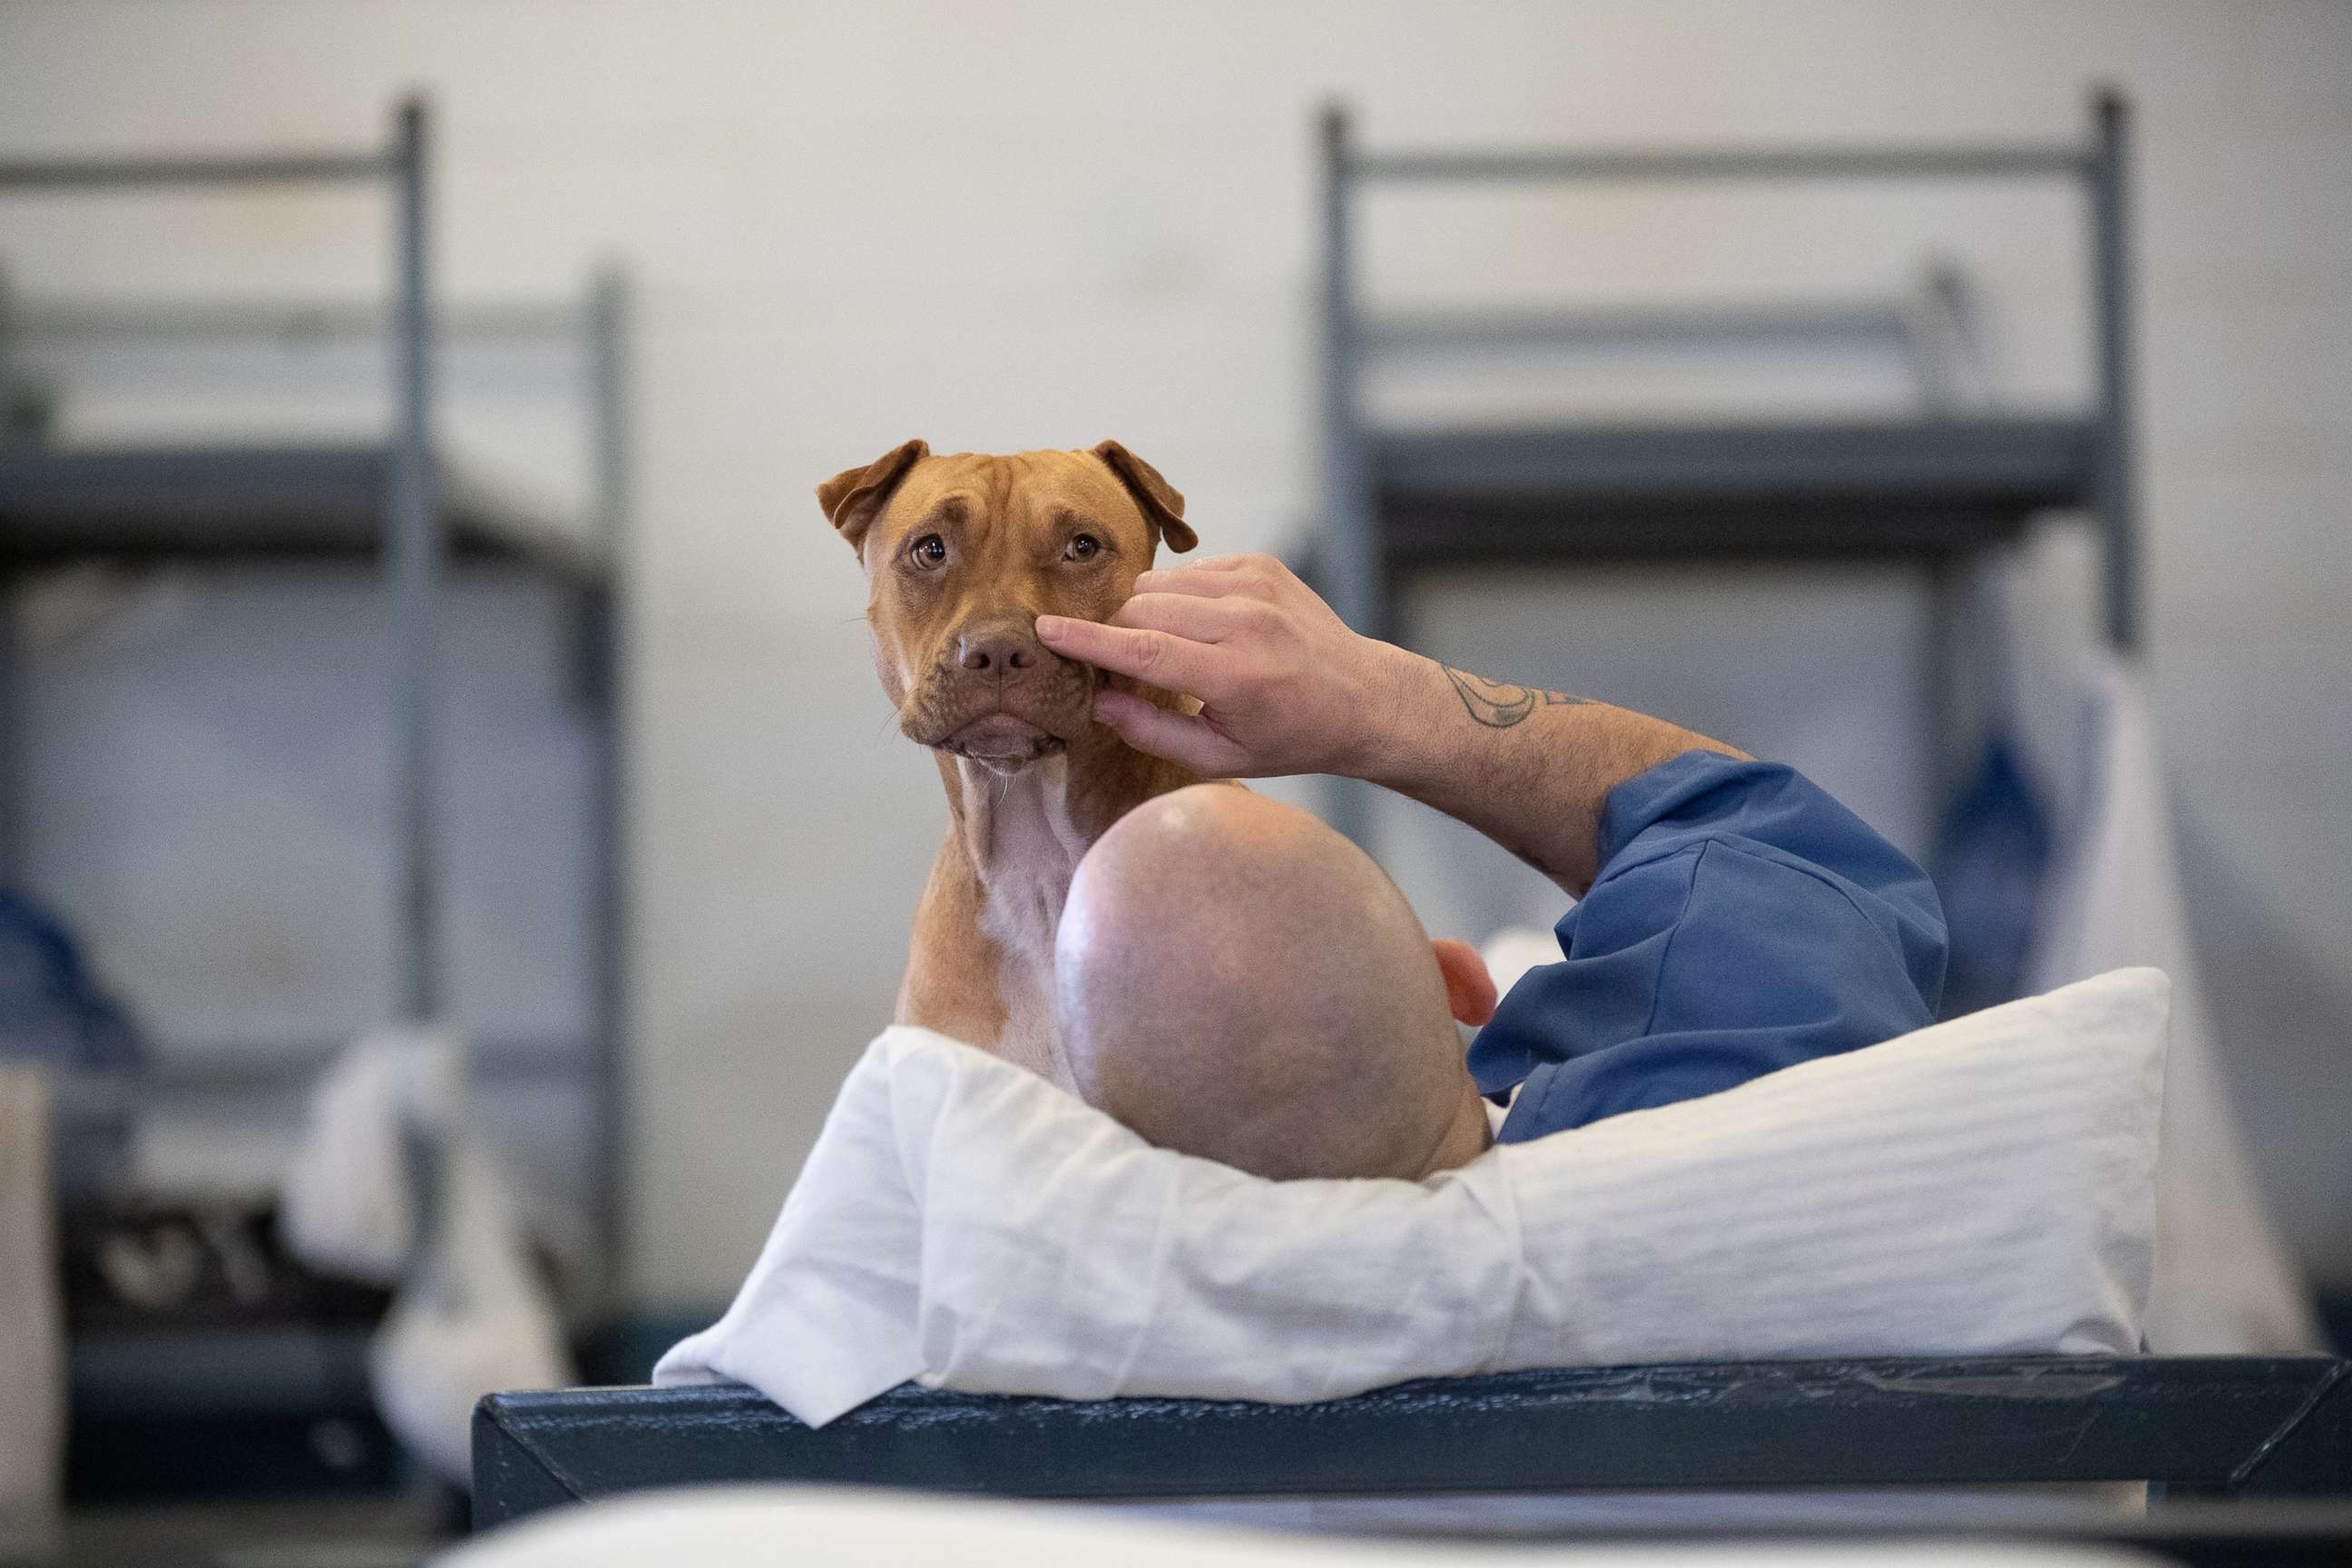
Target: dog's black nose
<point x="1001" y="648"/>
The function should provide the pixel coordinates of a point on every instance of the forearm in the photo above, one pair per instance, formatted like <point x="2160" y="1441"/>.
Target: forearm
<point x="1286" y="687"/>
<point x="1527" y="767"/>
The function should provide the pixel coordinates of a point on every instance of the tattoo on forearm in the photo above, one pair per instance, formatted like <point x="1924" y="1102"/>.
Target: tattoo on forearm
<point x="1497" y="705"/>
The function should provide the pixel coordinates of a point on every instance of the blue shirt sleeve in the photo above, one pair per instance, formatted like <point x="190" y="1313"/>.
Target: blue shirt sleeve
<point x="1742" y="921"/>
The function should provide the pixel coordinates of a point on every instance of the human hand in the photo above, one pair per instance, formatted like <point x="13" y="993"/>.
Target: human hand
<point x="1284" y="686"/>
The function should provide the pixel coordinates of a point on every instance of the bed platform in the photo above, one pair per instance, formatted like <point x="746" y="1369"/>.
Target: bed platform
<point x="1892" y="489"/>
<point x="279" y="502"/>
<point x="2251" y="1429"/>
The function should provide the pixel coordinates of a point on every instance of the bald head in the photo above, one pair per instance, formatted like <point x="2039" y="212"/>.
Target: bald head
<point x="1236" y="981"/>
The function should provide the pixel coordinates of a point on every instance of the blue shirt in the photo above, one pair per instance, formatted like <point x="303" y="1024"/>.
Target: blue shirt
<point x="1743" y="922"/>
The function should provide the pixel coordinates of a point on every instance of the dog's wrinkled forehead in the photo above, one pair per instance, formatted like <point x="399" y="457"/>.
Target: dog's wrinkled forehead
<point x="989" y="498"/>
<point x="1106" y="484"/>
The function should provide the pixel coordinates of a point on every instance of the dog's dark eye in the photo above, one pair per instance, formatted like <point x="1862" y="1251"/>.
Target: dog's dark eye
<point x="927" y="552"/>
<point x="1081" y="547"/>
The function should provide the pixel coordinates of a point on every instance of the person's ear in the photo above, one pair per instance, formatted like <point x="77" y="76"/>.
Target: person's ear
<point x="854" y="496"/>
<point x="1163" y="506"/>
<point x="1469" y="989"/>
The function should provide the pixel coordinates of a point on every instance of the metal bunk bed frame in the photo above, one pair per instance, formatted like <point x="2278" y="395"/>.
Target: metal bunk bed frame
<point x="344" y="501"/>
<point x="412" y="504"/>
<point x="1929" y="491"/>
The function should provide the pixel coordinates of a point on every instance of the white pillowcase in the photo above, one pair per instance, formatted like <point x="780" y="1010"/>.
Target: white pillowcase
<point x="1981" y="1187"/>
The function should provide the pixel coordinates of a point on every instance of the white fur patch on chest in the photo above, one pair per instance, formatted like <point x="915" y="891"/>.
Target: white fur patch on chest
<point x="1028" y="852"/>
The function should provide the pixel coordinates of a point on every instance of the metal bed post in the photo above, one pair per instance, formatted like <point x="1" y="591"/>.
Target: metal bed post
<point x="412" y="563"/>
<point x="12" y="805"/>
<point x="1946" y="693"/>
<point x="2104" y="172"/>
<point x="1944" y="763"/>
<point x="12" y="787"/>
<point x="8" y="355"/>
<point x="1355" y="576"/>
<point x="12" y="745"/>
<point x="12" y="865"/>
<point x="608" y="347"/>
<point x="1355" y="572"/>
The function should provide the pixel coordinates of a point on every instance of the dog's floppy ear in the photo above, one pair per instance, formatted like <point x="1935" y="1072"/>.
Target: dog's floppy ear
<point x="1163" y="508"/>
<point x="853" y="498"/>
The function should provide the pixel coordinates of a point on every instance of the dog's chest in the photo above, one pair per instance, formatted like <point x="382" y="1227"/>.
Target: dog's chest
<point x="1027" y="852"/>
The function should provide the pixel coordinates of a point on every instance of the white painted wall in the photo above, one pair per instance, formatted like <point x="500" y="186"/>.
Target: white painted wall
<point x="1018" y="225"/>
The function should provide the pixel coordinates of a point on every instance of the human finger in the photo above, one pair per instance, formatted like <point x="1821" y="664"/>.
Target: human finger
<point x="1183" y="738"/>
<point x="1206" y="578"/>
<point x="1181" y="615"/>
<point x="1154" y="658"/>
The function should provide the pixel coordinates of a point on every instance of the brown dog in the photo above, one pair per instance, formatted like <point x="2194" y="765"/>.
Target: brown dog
<point x="962" y="554"/>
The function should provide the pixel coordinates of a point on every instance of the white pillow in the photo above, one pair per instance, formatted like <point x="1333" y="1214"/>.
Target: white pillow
<point x="1981" y="1187"/>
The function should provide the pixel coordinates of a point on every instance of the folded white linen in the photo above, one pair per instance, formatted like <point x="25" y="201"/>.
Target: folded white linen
<point x="1981" y="1187"/>
<point x="827" y="1320"/>
<point x="470" y="1315"/>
